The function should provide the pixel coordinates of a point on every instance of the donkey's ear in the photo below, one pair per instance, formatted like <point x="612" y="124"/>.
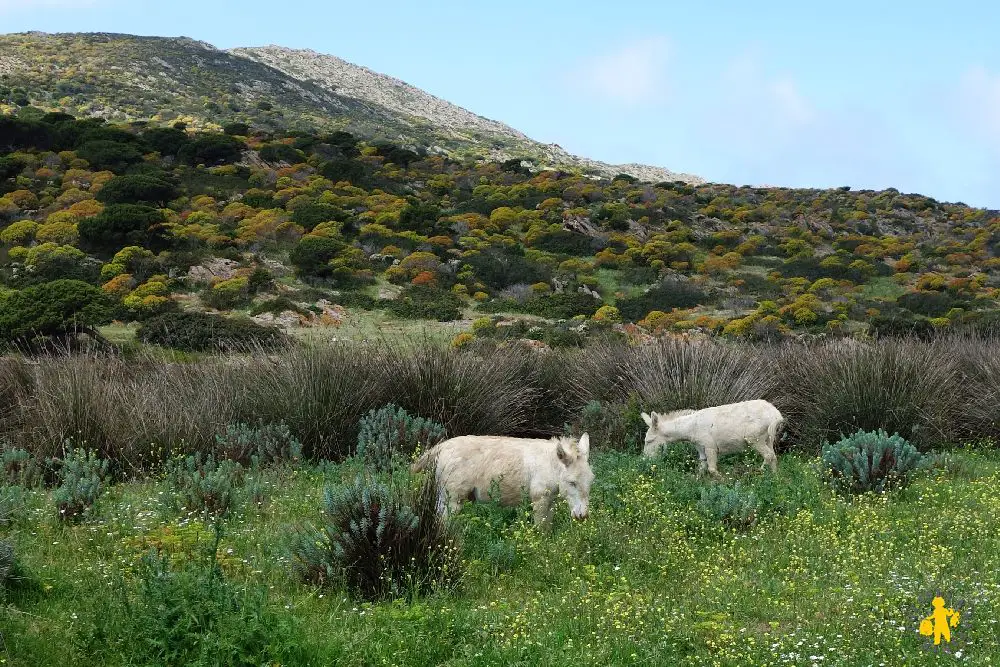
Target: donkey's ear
<point x="647" y="418"/>
<point x="583" y="447"/>
<point x="562" y="454"/>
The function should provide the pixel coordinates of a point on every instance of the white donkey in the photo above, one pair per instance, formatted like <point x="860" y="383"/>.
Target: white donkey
<point x="468" y="465"/>
<point x="720" y="430"/>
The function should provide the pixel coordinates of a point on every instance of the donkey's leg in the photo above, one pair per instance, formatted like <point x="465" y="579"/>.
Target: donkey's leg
<point x="542" y="510"/>
<point x="766" y="450"/>
<point x="701" y="460"/>
<point x="712" y="459"/>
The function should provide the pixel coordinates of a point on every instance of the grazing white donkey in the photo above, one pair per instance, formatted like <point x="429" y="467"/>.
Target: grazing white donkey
<point x="468" y="465"/>
<point x="720" y="430"/>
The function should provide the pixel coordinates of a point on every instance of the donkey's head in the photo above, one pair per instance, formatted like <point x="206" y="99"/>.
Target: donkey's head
<point x="659" y="432"/>
<point x="575" y="475"/>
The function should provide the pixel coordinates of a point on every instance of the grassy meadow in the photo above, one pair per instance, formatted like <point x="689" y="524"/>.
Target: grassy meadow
<point x="648" y="579"/>
<point x="784" y="570"/>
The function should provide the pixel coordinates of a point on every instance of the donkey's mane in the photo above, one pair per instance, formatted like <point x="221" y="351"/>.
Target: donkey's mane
<point x="674" y="414"/>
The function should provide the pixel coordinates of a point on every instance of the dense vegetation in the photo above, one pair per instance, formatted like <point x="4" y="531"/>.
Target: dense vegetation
<point x="182" y="513"/>
<point x="255" y="507"/>
<point x="149" y="214"/>
<point x="649" y="579"/>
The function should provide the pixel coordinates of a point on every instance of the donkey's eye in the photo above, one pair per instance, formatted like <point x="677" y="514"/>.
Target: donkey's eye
<point x="572" y="483"/>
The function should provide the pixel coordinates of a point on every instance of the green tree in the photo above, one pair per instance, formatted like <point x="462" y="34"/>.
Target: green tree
<point x="280" y="153"/>
<point x="110" y="155"/>
<point x="166" y="140"/>
<point x="212" y="149"/>
<point x="311" y="215"/>
<point x="61" y="308"/>
<point x="136" y="188"/>
<point x="121" y="225"/>
<point x="237" y="129"/>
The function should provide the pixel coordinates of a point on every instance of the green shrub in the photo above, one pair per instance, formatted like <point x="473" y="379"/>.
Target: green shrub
<point x="736" y="507"/>
<point x="121" y="225"/>
<point x="613" y="425"/>
<point x="265" y="443"/>
<point x="378" y="541"/>
<point x="135" y="189"/>
<point x="665" y="296"/>
<point x="109" y="155"/>
<point x="311" y="215"/>
<point x="870" y="461"/>
<point x="227" y="295"/>
<point x="566" y="242"/>
<point x="191" y="614"/>
<point x="312" y="255"/>
<point x="358" y="300"/>
<point x="425" y="303"/>
<point x="203" y="332"/>
<point x="11" y="504"/>
<point x="276" y="306"/>
<point x="900" y="325"/>
<point x="165" y="140"/>
<point x="236" y="129"/>
<point x="279" y="152"/>
<point x="212" y="149"/>
<point x="389" y="432"/>
<point x="19" y="467"/>
<point x="559" y="306"/>
<point x="81" y="477"/>
<point x="502" y="268"/>
<point x="7" y="564"/>
<point x="204" y="484"/>
<point x="928" y="303"/>
<point x="61" y="308"/>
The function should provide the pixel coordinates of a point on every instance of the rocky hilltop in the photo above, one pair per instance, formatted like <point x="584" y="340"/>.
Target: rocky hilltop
<point x="126" y="77"/>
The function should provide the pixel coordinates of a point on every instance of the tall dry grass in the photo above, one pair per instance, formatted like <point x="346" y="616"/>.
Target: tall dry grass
<point x="906" y="386"/>
<point x="137" y="411"/>
<point x="979" y="364"/>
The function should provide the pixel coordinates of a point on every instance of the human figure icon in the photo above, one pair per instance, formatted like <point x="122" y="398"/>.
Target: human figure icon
<point x="940" y="622"/>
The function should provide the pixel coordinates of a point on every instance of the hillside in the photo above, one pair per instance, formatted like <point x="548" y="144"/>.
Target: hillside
<point x="296" y="228"/>
<point x="125" y="78"/>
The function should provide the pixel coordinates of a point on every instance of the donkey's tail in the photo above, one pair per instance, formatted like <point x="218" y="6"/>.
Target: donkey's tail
<point x="774" y="431"/>
<point x="421" y="463"/>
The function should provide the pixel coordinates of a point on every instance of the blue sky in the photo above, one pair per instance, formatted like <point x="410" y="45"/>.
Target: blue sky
<point x="806" y="94"/>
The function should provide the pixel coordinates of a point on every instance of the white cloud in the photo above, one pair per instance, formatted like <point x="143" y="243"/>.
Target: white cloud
<point x="979" y="95"/>
<point x="755" y="99"/>
<point x="631" y="75"/>
<point x="772" y="130"/>
<point x="789" y="102"/>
